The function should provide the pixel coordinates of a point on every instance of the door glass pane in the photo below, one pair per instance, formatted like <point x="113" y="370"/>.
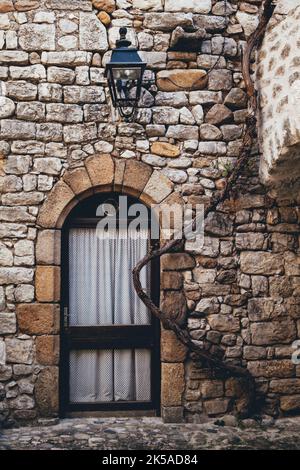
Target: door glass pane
<point x="100" y="278"/>
<point x="110" y="375"/>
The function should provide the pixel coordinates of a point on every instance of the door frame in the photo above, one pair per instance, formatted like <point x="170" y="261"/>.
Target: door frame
<point x="104" y="337"/>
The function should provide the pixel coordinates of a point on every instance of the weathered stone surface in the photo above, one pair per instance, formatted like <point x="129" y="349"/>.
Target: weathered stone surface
<point x="220" y="79"/>
<point x="165" y="149"/>
<point x="66" y="58"/>
<point x="49" y="132"/>
<point x="208" y="305"/>
<point x="261" y="262"/>
<point x="173" y="304"/>
<point x="172" y="384"/>
<point x="33" y="111"/>
<point x="64" y="113"/>
<point x="250" y="241"/>
<point x="177" y="176"/>
<point x="60" y="75"/>
<point x="7" y="108"/>
<point x="165" y="115"/>
<point x="37" y="37"/>
<point x="7" y="323"/>
<point x="226" y="323"/>
<point x="182" y="132"/>
<point x="48" y="247"/>
<point x="48" y="165"/>
<point x="22" y="402"/>
<point x="236" y="99"/>
<point x="136" y="176"/>
<point x="38" y="319"/>
<point x="24" y="293"/>
<point x="47" y="350"/>
<point x="285" y="386"/>
<point x="80" y="133"/>
<point x="19" y="351"/>
<point x="14" y="57"/>
<point x="177" y="261"/>
<point x="212" y="388"/>
<point x="218" y="114"/>
<point x="218" y="224"/>
<point x="273" y="332"/>
<point x="78" y="180"/>
<point x="100" y="169"/>
<point x="6" y="5"/>
<point x="15" y="275"/>
<point x="107" y="5"/>
<point x="171" y="280"/>
<point x="52" y="209"/>
<point x="32" y="72"/>
<point x="92" y="33"/>
<point x="50" y="92"/>
<point x="271" y="368"/>
<point x="47" y="283"/>
<point x="193" y="6"/>
<point x="216" y="407"/>
<point x="176" y="80"/>
<point x="167" y="21"/>
<point x="46" y="391"/>
<point x="175" y="99"/>
<point x="248" y="22"/>
<point x="205" y="97"/>
<point x="172" y="350"/>
<point x="157" y="188"/>
<point x="290" y="403"/>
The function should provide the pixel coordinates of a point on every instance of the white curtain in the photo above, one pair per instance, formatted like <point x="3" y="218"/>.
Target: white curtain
<point x="101" y="293"/>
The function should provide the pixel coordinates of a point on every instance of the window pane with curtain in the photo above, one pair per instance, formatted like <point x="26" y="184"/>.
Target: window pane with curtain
<point x="101" y="293"/>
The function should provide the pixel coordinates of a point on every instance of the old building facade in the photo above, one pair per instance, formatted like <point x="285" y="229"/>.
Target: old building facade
<point x="61" y="142"/>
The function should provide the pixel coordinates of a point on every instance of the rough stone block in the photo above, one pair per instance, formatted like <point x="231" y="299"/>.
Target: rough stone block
<point x="173" y="304"/>
<point x="177" y="261"/>
<point x="225" y="323"/>
<point x="216" y="407"/>
<point x="136" y="176"/>
<point x="48" y="247"/>
<point x="53" y="207"/>
<point x="80" y="133"/>
<point x="47" y="283"/>
<point x="37" y="37"/>
<point x="19" y="351"/>
<point x="100" y="169"/>
<point x="271" y="368"/>
<point x="8" y="323"/>
<point x="38" y="319"/>
<point x="157" y="188"/>
<point x="176" y="80"/>
<point x="194" y="6"/>
<point x="172" y="350"/>
<point x="267" y="333"/>
<point x="46" y="392"/>
<point x="261" y="262"/>
<point x="78" y="180"/>
<point x="92" y="33"/>
<point x="47" y="350"/>
<point x="172" y="384"/>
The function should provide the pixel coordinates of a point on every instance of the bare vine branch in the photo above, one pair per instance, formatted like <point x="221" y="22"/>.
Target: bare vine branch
<point x="175" y="244"/>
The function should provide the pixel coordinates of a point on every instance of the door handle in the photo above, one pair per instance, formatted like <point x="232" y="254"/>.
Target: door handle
<point x="66" y="317"/>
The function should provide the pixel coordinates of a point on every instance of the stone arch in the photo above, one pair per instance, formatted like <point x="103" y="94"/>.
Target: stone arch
<point x="100" y="173"/>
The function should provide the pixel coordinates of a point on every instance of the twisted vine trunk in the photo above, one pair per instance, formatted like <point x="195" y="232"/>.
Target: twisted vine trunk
<point x="175" y="244"/>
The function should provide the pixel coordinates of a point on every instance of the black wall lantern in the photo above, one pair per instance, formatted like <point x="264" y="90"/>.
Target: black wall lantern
<point x="125" y="73"/>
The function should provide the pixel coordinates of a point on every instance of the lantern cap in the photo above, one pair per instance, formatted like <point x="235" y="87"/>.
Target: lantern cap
<point x="124" y="55"/>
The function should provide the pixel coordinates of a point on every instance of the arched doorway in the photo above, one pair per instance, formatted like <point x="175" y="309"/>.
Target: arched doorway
<point x="110" y="344"/>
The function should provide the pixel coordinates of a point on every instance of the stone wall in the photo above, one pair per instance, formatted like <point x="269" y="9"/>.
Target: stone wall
<point x="240" y="292"/>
